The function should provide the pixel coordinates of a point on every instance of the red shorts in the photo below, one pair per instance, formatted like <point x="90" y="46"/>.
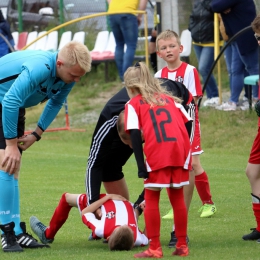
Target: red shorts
<point x="167" y="177"/>
<point x="196" y="146"/>
<point x="254" y="157"/>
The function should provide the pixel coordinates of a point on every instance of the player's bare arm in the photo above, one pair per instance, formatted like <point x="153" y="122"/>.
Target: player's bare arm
<point x="97" y="204"/>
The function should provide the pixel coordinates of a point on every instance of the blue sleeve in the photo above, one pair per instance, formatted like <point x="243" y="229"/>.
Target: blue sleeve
<point x="53" y="107"/>
<point x="12" y="101"/>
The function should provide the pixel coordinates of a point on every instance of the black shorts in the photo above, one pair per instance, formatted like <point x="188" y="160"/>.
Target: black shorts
<point x="117" y="157"/>
<point x="20" y="126"/>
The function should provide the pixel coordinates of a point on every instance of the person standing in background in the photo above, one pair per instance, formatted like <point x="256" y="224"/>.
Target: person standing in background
<point x="6" y="32"/>
<point x="201" y="26"/>
<point x="169" y="48"/>
<point x="125" y="29"/>
<point x="236" y="16"/>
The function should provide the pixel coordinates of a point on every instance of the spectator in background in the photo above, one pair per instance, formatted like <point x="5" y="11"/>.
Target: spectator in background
<point x="6" y="32"/>
<point x="201" y="26"/>
<point x="125" y="29"/>
<point x="236" y="16"/>
<point x="228" y="59"/>
<point x="169" y="47"/>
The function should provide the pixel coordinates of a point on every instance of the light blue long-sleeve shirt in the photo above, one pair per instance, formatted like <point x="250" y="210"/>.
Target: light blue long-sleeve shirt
<point x="28" y="78"/>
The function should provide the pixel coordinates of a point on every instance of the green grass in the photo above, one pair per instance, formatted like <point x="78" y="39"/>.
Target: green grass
<point x="57" y="164"/>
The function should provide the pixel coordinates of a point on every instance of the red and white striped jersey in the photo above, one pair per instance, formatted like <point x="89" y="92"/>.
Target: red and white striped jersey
<point x="166" y="139"/>
<point x="114" y="213"/>
<point x="186" y="74"/>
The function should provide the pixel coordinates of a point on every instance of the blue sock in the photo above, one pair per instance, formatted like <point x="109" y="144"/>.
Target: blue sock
<point x="16" y="209"/>
<point x="7" y="197"/>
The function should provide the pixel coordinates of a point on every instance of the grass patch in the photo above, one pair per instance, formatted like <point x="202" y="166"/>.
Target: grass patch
<point x="57" y="164"/>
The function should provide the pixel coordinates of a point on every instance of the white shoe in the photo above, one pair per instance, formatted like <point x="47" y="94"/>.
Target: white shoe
<point x="211" y="102"/>
<point x="244" y="106"/>
<point x="228" y="106"/>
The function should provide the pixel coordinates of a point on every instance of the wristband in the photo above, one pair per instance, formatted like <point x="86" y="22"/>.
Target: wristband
<point x="38" y="138"/>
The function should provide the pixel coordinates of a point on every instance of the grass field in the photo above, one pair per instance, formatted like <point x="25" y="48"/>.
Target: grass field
<point x="57" y="164"/>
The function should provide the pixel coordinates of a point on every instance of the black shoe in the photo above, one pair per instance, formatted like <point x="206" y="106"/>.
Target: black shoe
<point x="174" y="240"/>
<point x="9" y="243"/>
<point x="28" y="241"/>
<point x="254" y="235"/>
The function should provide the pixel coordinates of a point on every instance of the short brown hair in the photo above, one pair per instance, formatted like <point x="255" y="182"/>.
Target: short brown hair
<point x="165" y="35"/>
<point x="122" y="238"/>
<point x="121" y="126"/>
<point x="256" y="24"/>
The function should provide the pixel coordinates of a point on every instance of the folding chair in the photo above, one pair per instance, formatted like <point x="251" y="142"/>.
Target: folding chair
<point x="79" y="36"/>
<point x="15" y="37"/>
<point x="65" y="38"/>
<point x="100" y="44"/>
<point x="52" y="41"/>
<point x="31" y="37"/>
<point x="40" y="44"/>
<point x="22" y="39"/>
<point x="186" y="41"/>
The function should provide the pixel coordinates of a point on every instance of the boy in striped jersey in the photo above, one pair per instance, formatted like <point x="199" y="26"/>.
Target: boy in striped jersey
<point x="169" y="48"/>
<point x="117" y="224"/>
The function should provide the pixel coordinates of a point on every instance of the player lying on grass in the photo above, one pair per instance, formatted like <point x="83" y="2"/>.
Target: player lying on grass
<point x="118" y="222"/>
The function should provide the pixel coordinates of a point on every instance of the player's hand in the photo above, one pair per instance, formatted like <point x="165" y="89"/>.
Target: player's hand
<point x="12" y="159"/>
<point x="142" y="205"/>
<point x="139" y="19"/>
<point x="143" y="174"/>
<point x="26" y="141"/>
<point x="257" y="107"/>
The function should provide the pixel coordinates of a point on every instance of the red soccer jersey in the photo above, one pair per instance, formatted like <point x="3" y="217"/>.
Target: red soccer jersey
<point x="114" y="213"/>
<point x="166" y="139"/>
<point x="186" y="74"/>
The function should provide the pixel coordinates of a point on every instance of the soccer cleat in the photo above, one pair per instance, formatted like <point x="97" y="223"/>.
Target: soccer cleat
<point x="26" y="240"/>
<point x="173" y="240"/>
<point x="181" y="251"/>
<point x="169" y="215"/>
<point x="39" y="229"/>
<point x="8" y="239"/>
<point x="254" y="235"/>
<point x="149" y="253"/>
<point x="207" y="210"/>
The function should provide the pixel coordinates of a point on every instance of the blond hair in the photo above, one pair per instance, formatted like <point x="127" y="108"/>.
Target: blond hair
<point x="74" y="53"/>
<point x="139" y="78"/>
<point x="122" y="238"/>
<point x="256" y="24"/>
<point x="166" y="35"/>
